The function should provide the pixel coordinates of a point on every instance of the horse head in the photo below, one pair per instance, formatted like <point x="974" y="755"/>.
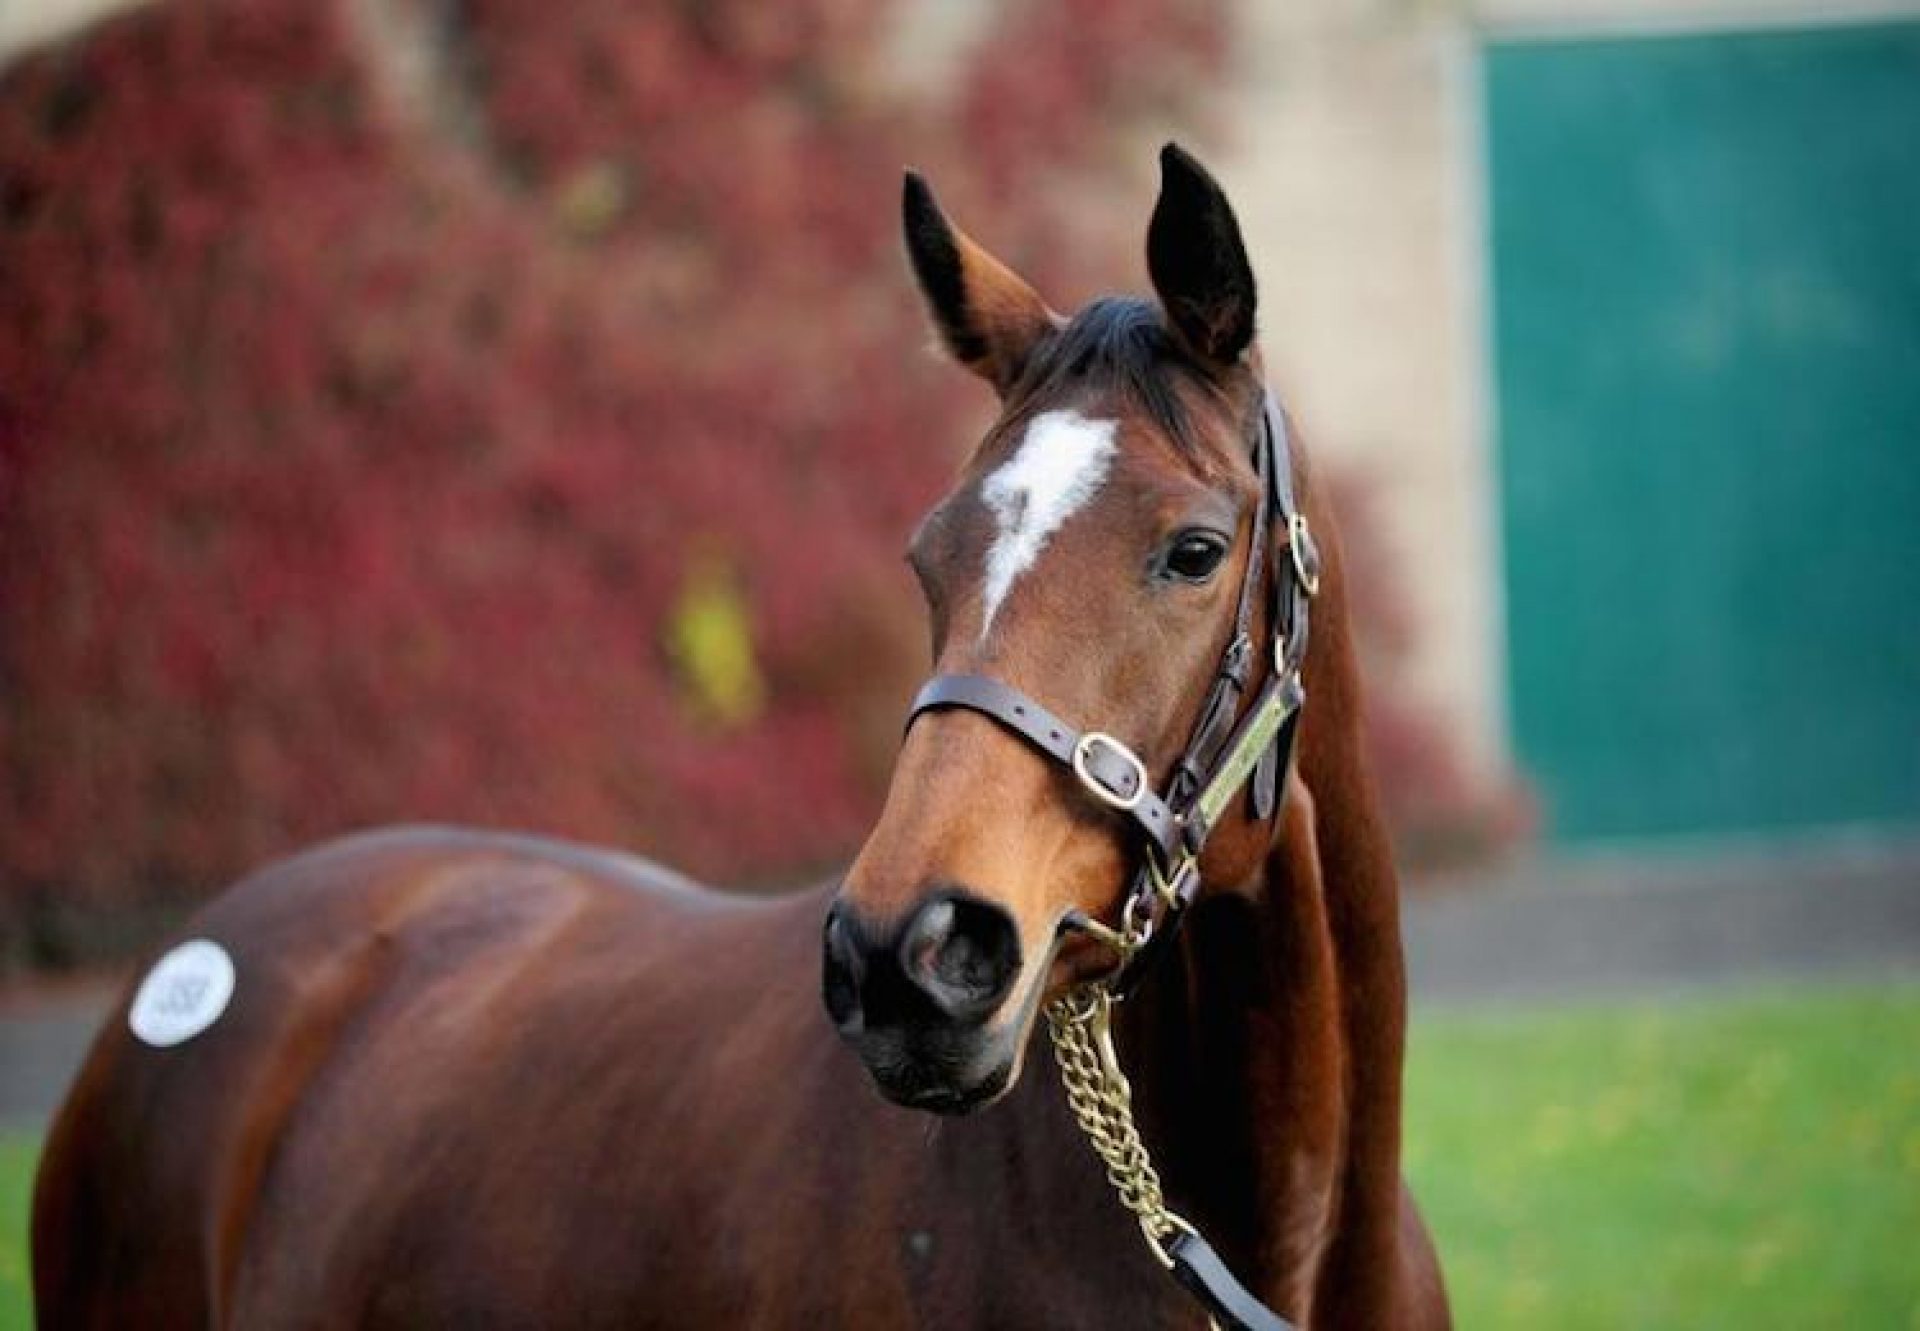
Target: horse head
<point x="1091" y="555"/>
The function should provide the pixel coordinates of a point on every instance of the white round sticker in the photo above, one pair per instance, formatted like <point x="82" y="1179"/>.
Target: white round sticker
<point x="184" y="993"/>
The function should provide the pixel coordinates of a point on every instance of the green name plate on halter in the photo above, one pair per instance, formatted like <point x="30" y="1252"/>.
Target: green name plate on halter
<point x="1256" y="733"/>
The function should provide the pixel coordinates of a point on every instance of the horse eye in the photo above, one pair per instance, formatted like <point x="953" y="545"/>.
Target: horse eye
<point x="1194" y="556"/>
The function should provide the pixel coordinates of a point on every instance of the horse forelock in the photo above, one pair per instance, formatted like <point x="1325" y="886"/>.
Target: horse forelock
<point x="1118" y="350"/>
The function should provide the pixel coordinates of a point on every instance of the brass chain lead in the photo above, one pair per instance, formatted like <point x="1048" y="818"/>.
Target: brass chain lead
<point x="1080" y="1024"/>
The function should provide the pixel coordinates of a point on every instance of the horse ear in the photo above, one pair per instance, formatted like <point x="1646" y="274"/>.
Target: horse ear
<point x="1197" y="261"/>
<point x="989" y="318"/>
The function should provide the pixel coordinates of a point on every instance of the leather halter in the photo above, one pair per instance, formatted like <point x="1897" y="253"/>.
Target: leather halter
<point x="1228" y="747"/>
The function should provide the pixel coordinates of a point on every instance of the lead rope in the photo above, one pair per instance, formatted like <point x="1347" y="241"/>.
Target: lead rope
<point x="1080" y="1025"/>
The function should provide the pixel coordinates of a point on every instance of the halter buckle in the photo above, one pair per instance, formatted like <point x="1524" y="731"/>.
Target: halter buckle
<point x="1306" y="555"/>
<point x="1170" y="888"/>
<point x="1114" y="797"/>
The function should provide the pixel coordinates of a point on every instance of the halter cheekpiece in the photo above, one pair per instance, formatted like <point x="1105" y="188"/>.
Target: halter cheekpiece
<point x="1230" y="747"/>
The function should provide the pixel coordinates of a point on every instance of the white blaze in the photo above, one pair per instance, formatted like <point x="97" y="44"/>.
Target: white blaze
<point x="1060" y="464"/>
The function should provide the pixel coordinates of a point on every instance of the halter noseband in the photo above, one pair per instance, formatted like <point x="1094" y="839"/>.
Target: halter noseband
<point x="1227" y="748"/>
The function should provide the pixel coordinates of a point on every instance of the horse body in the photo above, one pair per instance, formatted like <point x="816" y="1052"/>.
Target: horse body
<point x="477" y="1080"/>
<point x="485" y="1080"/>
<point x="473" y="1079"/>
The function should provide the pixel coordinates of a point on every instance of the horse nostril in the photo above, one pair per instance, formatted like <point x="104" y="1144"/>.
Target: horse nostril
<point x="928" y="937"/>
<point x="841" y="972"/>
<point x="952" y="962"/>
<point x="963" y="953"/>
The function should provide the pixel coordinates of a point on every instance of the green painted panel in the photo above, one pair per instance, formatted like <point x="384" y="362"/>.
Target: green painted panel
<point x="1706" y="270"/>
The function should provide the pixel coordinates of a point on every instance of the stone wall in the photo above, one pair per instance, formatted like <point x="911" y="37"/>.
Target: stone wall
<point x="1351" y="149"/>
<point x="25" y="24"/>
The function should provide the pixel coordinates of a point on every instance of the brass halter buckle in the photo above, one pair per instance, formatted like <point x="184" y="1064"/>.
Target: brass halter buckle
<point x="1306" y="555"/>
<point x="1126" y="802"/>
<point x="1169" y="886"/>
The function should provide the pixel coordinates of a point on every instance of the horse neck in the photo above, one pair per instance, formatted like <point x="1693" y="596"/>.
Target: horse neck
<point x="1266" y="1059"/>
<point x="1238" y="1066"/>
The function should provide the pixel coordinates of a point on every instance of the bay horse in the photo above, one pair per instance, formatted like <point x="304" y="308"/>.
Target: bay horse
<point x="433" y="1077"/>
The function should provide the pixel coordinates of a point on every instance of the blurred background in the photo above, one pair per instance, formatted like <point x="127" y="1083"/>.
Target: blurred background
<point x="513" y="413"/>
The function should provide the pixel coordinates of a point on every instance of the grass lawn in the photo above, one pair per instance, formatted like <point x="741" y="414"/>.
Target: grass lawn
<point x="1751" y="1161"/>
<point x="17" y="1154"/>
<point x="1714" y="1162"/>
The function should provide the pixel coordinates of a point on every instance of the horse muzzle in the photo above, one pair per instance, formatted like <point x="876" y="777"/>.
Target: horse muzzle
<point x="917" y="1000"/>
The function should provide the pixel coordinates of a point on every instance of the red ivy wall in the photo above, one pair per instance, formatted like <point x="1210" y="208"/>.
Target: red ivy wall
<point x="370" y="388"/>
<point x="381" y="382"/>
